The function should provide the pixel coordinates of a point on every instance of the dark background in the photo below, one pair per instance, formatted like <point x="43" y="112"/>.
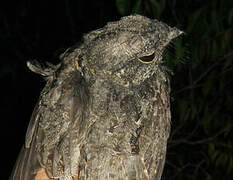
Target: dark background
<point x="200" y="145"/>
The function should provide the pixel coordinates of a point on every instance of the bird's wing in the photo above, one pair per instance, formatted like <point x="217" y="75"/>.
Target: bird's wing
<point x="55" y="131"/>
<point x="27" y="164"/>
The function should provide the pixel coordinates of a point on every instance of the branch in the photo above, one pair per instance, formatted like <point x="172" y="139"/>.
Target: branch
<point x="194" y="84"/>
<point x="202" y="141"/>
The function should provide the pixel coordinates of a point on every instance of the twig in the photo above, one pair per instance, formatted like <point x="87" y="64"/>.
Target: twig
<point x="202" y="141"/>
<point x="194" y="84"/>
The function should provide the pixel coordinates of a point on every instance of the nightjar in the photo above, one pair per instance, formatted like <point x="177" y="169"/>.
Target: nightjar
<point x="104" y="112"/>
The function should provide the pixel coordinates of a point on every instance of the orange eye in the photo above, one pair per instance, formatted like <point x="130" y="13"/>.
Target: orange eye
<point x="147" y="59"/>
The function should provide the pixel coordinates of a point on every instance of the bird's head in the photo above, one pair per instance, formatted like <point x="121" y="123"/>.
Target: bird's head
<point x="126" y="51"/>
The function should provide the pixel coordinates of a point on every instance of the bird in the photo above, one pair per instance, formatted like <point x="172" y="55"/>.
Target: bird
<point x="104" y="113"/>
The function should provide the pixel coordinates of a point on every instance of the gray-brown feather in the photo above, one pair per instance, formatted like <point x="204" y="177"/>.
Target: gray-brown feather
<point x="104" y="113"/>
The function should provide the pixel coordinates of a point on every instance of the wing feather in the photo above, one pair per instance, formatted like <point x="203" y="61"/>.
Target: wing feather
<point x="27" y="164"/>
<point x="55" y="130"/>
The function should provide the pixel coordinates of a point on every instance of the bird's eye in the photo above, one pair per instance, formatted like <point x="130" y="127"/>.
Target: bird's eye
<point x="147" y="59"/>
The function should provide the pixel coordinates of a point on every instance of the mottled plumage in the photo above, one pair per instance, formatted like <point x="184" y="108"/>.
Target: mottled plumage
<point x="104" y="112"/>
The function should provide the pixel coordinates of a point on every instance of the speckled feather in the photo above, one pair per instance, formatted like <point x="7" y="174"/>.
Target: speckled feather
<point x="104" y="112"/>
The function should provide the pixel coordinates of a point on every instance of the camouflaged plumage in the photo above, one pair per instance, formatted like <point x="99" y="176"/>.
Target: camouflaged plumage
<point x="104" y="112"/>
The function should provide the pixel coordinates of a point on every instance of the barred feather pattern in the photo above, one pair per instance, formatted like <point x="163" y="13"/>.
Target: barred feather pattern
<point x="104" y="112"/>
